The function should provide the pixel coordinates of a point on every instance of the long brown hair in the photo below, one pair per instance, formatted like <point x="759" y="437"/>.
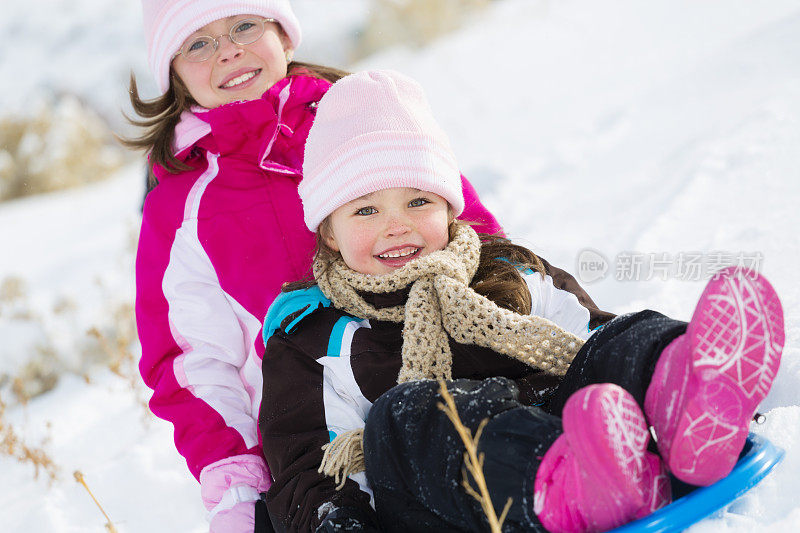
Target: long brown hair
<point x="498" y="276"/>
<point x="159" y="116"/>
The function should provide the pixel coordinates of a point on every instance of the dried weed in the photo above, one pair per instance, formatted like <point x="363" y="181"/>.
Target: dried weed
<point x="417" y="22"/>
<point x="12" y="445"/>
<point x="80" y="478"/>
<point x="473" y="461"/>
<point x="12" y="290"/>
<point x="63" y="144"/>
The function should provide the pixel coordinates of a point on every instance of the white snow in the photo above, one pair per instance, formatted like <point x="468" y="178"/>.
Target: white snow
<point x="660" y="127"/>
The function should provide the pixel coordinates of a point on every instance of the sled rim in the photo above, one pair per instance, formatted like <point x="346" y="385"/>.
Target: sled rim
<point x="759" y="459"/>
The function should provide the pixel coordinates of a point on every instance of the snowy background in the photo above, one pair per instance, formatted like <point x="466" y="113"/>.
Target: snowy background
<point x="628" y="128"/>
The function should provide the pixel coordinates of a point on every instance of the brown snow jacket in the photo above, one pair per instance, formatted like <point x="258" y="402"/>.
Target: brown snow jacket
<point x="322" y="378"/>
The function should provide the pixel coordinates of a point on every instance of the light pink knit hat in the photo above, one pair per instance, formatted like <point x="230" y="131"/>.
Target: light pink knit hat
<point x="167" y="23"/>
<point x="374" y="130"/>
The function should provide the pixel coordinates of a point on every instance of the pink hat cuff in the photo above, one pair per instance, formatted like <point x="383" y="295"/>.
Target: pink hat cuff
<point x="376" y="161"/>
<point x="167" y="24"/>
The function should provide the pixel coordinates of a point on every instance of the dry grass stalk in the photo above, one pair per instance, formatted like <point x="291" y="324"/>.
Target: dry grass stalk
<point x="118" y="355"/>
<point x="79" y="477"/>
<point x="65" y="306"/>
<point x="13" y="445"/>
<point x="115" y="341"/>
<point x="473" y="461"/>
<point x="417" y="22"/>
<point x="12" y="289"/>
<point x="18" y="389"/>
<point x="38" y="375"/>
<point x="62" y="144"/>
<point x="120" y="359"/>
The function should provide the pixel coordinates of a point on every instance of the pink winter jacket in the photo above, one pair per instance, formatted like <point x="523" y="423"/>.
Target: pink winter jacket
<point x="216" y="244"/>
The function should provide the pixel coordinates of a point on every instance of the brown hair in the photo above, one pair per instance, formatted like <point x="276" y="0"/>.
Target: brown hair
<point x="498" y="276"/>
<point x="159" y="116"/>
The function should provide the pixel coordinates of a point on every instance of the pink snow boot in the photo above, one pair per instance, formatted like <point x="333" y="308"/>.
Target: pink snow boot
<point x="598" y="474"/>
<point x="708" y="382"/>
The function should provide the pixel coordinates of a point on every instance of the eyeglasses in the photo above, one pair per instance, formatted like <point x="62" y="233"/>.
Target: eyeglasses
<point x="244" y="32"/>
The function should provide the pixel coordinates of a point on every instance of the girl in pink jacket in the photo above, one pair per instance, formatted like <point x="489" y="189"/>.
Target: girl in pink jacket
<point x="223" y="229"/>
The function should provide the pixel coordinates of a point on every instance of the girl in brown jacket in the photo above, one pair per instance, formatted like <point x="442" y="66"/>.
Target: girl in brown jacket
<point x="404" y="296"/>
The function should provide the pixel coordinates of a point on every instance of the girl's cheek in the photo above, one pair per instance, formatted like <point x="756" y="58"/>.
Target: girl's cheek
<point x="362" y="243"/>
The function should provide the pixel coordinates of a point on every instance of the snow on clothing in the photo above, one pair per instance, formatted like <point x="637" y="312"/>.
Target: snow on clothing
<point x="216" y="243"/>
<point x="322" y="377"/>
<point x="417" y="485"/>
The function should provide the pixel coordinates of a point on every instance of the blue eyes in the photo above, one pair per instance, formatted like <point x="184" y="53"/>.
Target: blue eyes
<point x="198" y="44"/>
<point x="241" y="33"/>
<point x="245" y="26"/>
<point x="366" y="211"/>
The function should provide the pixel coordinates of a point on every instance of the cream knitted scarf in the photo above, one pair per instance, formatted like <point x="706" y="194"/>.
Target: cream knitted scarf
<point x="440" y="303"/>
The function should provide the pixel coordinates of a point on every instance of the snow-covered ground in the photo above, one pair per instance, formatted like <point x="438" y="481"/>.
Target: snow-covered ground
<point x="628" y="128"/>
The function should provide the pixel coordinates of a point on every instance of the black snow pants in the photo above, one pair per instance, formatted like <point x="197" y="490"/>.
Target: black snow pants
<point x="414" y="456"/>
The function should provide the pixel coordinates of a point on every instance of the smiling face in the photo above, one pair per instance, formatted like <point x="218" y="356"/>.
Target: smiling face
<point x="382" y="231"/>
<point x="234" y="72"/>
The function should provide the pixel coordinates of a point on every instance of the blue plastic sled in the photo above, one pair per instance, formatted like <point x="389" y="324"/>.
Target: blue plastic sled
<point x="690" y="504"/>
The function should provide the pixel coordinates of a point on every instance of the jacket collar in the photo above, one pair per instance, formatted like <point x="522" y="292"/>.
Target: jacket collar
<point x="387" y="299"/>
<point x="271" y="129"/>
<point x="188" y="131"/>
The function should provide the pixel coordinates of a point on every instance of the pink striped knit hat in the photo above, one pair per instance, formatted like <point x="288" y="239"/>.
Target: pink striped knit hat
<point x="374" y="130"/>
<point x="167" y="23"/>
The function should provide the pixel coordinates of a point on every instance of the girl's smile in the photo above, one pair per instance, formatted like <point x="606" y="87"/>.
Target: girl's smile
<point x="240" y="79"/>
<point x="399" y="255"/>
<point x="382" y="231"/>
